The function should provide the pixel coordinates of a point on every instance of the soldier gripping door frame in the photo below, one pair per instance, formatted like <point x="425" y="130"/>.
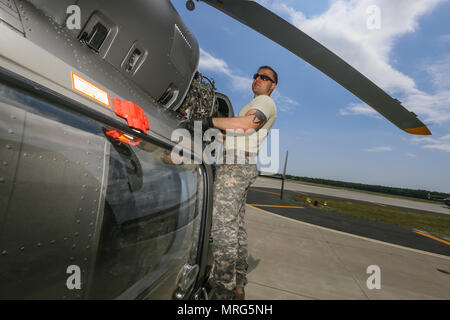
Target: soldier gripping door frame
<point x="230" y="246"/>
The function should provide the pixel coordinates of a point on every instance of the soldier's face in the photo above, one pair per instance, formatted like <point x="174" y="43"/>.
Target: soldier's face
<point x="263" y="87"/>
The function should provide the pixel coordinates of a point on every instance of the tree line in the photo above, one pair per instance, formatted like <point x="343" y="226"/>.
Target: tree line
<point x="419" y="194"/>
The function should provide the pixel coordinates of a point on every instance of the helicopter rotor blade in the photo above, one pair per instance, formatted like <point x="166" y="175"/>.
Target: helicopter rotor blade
<point x="288" y="36"/>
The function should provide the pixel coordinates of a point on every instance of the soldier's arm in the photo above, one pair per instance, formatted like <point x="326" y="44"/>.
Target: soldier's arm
<point x="253" y="120"/>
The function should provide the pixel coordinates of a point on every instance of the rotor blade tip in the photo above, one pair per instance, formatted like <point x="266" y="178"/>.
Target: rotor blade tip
<point x="424" y="131"/>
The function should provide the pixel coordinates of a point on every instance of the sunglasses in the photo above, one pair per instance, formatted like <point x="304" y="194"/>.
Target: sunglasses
<point x="262" y="76"/>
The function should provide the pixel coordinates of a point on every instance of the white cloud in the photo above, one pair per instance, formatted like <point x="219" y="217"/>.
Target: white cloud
<point x="379" y="149"/>
<point x="359" y="108"/>
<point x="432" y="143"/>
<point x="423" y="139"/>
<point x="284" y="104"/>
<point x="440" y="72"/>
<point x="241" y="83"/>
<point x="443" y="147"/>
<point x="411" y="155"/>
<point x="209" y="63"/>
<point x="435" y="107"/>
<point x="445" y="38"/>
<point x="343" y="29"/>
<point x="212" y="64"/>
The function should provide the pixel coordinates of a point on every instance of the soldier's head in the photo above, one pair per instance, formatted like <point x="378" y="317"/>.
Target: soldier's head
<point x="264" y="81"/>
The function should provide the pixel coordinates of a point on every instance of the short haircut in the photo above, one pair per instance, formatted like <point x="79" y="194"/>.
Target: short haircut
<point x="275" y="75"/>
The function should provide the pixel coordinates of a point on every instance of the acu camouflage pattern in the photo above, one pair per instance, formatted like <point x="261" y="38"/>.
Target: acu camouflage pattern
<point x="230" y="246"/>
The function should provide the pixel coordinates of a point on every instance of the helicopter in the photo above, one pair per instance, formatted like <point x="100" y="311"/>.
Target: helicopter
<point x="91" y="204"/>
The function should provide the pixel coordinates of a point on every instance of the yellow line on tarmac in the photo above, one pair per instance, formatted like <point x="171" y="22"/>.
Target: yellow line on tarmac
<point x="305" y="194"/>
<point x="431" y="237"/>
<point x="269" y="205"/>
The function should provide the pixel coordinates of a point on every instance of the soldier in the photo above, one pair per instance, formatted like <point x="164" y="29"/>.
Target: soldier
<point x="232" y="183"/>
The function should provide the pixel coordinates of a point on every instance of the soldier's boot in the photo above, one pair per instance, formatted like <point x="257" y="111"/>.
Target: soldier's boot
<point x="239" y="293"/>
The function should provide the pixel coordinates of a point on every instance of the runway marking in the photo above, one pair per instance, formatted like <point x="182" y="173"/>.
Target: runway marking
<point x="431" y="237"/>
<point x="355" y="236"/>
<point x="277" y="194"/>
<point x="273" y="206"/>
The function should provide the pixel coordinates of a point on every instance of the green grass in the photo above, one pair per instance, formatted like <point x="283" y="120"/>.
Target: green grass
<point x="387" y="195"/>
<point x="432" y="223"/>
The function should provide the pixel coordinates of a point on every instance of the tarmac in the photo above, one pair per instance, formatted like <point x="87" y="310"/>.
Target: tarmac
<point x="354" y="195"/>
<point x="295" y="260"/>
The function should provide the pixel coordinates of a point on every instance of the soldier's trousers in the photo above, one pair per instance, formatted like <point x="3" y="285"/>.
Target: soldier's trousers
<point x="230" y="246"/>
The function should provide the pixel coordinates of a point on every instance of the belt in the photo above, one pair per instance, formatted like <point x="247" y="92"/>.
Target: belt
<point x="238" y="156"/>
<point x="242" y="153"/>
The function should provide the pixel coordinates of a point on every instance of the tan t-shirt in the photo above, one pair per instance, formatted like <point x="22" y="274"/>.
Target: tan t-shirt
<point x="251" y="143"/>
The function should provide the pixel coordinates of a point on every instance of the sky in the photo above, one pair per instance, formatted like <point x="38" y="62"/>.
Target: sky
<point x="403" y="46"/>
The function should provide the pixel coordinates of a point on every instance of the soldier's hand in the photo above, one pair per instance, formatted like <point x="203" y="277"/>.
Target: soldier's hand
<point x="190" y="124"/>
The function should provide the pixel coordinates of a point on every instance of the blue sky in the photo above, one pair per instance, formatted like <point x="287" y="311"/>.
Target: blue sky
<point x="329" y="132"/>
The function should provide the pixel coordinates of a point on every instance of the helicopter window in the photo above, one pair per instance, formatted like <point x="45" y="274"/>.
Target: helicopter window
<point x="125" y="214"/>
<point x="151" y="220"/>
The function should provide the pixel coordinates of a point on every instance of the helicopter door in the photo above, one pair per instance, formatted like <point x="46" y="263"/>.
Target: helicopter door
<point x="151" y="224"/>
<point x="73" y="197"/>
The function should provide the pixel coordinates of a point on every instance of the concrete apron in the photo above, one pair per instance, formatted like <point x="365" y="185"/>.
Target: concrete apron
<point x="293" y="260"/>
